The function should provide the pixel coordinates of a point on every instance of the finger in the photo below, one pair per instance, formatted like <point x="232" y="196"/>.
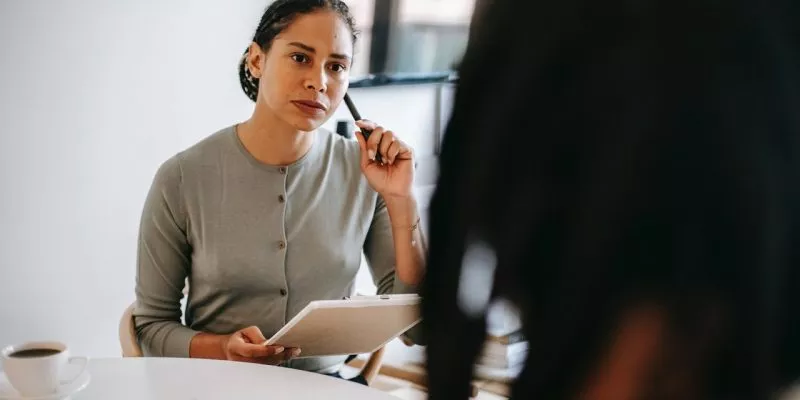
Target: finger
<point x="366" y="124"/>
<point x="253" y="335"/>
<point x="406" y="341"/>
<point x="292" y="353"/>
<point x="387" y="139"/>
<point x="406" y="152"/>
<point x="393" y="151"/>
<point x="373" y="141"/>
<point x="250" y="350"/>
<point x="362" y="144"/>
<point x="278" y="359"/>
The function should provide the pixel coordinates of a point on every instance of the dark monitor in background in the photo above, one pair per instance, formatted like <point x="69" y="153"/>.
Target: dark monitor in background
<point x="409" y="41"/>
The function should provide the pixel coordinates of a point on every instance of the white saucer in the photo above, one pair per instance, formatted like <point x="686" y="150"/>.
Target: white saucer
<point x="7" y="392"/>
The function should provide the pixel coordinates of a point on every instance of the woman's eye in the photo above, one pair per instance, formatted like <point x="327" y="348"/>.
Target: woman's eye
<point x="338" y="68"/>
<point x="300" y="58"/>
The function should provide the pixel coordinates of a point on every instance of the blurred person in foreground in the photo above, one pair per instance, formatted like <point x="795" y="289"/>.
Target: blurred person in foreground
<point x="632" y="167"/>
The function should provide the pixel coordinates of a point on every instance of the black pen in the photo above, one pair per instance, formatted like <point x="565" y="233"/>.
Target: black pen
<point x="357" y="117"/>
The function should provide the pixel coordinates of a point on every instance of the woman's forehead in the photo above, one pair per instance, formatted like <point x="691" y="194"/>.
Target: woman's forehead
<point x="325" y="32"/>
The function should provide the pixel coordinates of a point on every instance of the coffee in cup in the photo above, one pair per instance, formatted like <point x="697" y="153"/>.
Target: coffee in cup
<point x="35" y="368"/>
<point x="34" y="353"/>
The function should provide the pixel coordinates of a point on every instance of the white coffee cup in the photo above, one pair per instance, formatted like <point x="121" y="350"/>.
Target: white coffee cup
<point x="35" y="368"/>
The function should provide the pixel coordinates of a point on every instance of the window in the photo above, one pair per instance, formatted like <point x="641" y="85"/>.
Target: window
<point x="363" y="12"/>
<point x="430" y="35"/>
<point x="410" y="36"/>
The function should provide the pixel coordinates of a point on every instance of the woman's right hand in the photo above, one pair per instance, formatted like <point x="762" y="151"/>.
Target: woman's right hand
<point x="248" y="345"/>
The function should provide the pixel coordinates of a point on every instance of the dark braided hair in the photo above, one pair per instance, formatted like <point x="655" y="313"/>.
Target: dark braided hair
<point x="278" y="16"/>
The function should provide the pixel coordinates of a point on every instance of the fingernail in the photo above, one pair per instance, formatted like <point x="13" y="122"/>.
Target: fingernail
<point x="371" y="155"/>
<point x="297" y="352"/>
<point x="279" y="350"/>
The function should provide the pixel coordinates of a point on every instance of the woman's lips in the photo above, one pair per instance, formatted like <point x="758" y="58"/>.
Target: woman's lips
<point x="310" y="107"/>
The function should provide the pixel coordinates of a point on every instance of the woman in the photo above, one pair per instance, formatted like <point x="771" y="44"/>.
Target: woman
<point x="638" y="189"/>
<point x="269" y="214"/>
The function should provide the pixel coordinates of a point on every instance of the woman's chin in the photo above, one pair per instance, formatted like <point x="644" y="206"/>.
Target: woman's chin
<point x="307" y="124"/>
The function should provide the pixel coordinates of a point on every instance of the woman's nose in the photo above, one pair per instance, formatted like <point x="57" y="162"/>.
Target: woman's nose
<point x="317" y="82"/>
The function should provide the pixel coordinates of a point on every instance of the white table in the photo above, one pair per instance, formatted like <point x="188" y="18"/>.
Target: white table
<point x="194" y="379"/>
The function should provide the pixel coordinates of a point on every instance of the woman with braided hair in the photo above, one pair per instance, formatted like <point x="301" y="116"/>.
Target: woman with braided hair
<point x="266" y="215"/>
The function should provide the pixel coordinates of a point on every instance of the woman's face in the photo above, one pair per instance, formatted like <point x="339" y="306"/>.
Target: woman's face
<point x="306" y="72"/>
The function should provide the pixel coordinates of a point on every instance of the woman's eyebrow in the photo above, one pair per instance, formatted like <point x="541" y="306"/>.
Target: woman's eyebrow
<point x="314" y="51"/>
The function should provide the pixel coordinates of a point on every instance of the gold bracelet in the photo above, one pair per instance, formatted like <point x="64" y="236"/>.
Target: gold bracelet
<point x="412" y="228"/>
<point x="416" y="225"/>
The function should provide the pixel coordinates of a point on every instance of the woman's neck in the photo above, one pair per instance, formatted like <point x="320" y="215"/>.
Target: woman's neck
<point x="271" y="140"/>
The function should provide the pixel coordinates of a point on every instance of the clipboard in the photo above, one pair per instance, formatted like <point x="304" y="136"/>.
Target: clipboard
<point x="357" y="325"/>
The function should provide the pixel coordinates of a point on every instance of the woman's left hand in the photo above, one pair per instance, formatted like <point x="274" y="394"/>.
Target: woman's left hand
<point x="395" y="176"/>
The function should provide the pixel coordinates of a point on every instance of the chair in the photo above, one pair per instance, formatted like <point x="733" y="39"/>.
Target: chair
<point x="131" y="348"/>
<point x="127" y="334"/>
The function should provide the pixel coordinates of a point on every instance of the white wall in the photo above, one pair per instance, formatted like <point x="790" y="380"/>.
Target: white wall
<point x="94" y="95"/>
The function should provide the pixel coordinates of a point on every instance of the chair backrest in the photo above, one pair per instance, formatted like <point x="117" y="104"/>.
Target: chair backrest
<point x="127" y="334"/>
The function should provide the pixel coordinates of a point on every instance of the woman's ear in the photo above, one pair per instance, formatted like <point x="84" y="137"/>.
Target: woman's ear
<point x="255" y="60"/>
